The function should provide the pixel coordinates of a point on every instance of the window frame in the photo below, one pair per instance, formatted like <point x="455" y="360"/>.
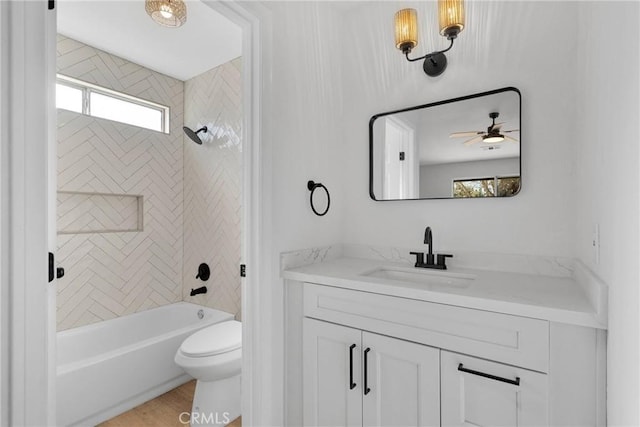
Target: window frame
<point x="89" y="88"/>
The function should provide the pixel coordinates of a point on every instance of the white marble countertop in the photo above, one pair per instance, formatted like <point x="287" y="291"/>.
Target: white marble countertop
<point x="557" y="299"/>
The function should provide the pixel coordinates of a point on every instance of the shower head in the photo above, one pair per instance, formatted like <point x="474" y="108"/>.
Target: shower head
<point x="194" y="135"/>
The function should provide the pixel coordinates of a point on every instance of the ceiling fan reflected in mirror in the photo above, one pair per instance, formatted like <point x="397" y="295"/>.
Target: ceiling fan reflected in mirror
<point x="494" y="133"/>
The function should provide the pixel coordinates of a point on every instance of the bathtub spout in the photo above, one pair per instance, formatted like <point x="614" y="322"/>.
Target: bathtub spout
<point x="202" y="290"/>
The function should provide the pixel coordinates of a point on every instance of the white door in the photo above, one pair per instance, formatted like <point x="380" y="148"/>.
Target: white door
<point x="332" y="388"/>
<point x="400" y="161"/>
<point x="402" y="382"/>
<point x="477" y="392"/>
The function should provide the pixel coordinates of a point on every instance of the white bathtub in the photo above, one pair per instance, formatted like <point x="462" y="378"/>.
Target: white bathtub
<point x="109" y="367"/>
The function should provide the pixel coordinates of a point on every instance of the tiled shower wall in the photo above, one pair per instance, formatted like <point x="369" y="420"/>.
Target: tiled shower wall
<point x="213" y="185"/>
<point x="110" y="274"/>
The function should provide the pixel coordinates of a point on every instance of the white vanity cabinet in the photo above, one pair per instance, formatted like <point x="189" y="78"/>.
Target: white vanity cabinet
<point x="355" y="378"/>
<point x="432" y="364"/>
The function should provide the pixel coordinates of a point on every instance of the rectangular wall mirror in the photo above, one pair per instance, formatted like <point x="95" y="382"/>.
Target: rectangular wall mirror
<point x="458" y="148"/>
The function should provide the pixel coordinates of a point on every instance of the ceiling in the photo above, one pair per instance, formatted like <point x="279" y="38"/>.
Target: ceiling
<point x="124" y="29"/>
<point x="434" y="125"/>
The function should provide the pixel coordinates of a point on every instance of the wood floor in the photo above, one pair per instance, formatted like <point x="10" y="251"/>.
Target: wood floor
<point x="163" y="411"/>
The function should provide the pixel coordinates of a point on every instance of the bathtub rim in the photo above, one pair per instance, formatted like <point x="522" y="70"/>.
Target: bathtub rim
<point x="62" y="369"/>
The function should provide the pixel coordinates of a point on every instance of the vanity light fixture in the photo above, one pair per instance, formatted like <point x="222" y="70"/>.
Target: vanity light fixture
<point x="169" y="13"/>
<point x="451" y="17"/>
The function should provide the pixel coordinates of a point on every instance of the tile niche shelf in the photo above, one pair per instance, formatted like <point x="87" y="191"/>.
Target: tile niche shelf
<point x="84" y="213"/>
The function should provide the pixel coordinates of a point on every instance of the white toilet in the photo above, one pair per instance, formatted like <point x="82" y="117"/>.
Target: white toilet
<point x="213" y="356"/>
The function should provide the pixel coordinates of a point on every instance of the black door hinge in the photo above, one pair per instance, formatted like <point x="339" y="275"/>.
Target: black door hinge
<point x="54" y="273"/>
<point x="402" y="156"/>
<point x="243" y="270"/>
<point x="51" y="268"/>
<point x="51" y="4"/>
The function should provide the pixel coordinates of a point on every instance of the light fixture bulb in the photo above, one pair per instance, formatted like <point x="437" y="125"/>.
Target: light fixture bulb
<point x="406" y="21"/>
<point x="451" y="17"/>
<point x="492" y="139"/>
<point x="169" y="13"/>
<point x="166" y="11"/>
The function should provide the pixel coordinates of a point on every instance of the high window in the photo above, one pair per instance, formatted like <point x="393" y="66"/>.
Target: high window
<point x="93" y="100"/>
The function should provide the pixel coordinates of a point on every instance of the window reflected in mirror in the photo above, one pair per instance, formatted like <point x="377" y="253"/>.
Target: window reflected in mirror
<point x="467" y="147"/>
<point x="486" y="187"/>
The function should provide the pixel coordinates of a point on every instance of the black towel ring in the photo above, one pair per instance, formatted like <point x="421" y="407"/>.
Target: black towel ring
<point x="312" y="186"/>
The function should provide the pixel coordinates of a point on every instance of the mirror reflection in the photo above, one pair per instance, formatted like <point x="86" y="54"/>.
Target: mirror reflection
<point x="459" y="148"/>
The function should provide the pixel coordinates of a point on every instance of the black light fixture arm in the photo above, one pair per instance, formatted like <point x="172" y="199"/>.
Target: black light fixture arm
<point x="428" y="55"/>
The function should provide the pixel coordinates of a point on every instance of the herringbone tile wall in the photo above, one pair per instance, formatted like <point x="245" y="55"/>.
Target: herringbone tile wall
<point x="113" y="274"/>
<point x="213" y="186"/>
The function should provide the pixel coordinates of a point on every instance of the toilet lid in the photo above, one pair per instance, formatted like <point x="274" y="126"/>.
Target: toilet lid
<point x="215" y="339"/>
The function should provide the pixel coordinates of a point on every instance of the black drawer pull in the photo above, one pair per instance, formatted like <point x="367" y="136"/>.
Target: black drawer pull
<point x="352" y="385"/>
<point x="491" y="377"/>
<point x="366" y="387"/>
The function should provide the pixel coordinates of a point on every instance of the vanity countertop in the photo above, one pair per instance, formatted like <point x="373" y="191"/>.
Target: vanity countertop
<point x="557" y="299"/>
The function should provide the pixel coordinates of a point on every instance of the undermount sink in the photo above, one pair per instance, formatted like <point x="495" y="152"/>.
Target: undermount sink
<point x="426" y="277"/>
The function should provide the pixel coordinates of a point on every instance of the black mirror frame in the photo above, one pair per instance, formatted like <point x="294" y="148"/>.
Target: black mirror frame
<point x="434" y="104"/>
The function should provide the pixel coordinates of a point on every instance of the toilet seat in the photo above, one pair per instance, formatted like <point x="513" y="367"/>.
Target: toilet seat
<point x="214" y="340"/>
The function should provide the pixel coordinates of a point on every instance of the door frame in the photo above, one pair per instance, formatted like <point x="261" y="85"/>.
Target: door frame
<point x="255" y="20"/>
<point x="26" y="106"/>
<point x="27" y="365"/>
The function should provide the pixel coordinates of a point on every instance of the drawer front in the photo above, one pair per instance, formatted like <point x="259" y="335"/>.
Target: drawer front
<point x="476" y="392"/>
<point x="509" y="339"/>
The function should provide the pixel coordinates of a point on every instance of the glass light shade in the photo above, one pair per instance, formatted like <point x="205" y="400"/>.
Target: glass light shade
<point x="493" y="139"/>
<point x="170" y="13"/>
<point x="406" y="29"/>
<point x="451" y="17"/>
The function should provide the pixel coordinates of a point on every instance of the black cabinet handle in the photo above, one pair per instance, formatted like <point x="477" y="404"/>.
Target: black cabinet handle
<point x="366" y="382"/>
<point x="352" y="385"/>
<point x="461" y="368"/>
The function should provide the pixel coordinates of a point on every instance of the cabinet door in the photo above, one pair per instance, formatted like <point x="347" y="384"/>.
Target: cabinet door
<point x="402" y="382"/>
<point x="474" y="393"/>
<point x="332" y="388"/>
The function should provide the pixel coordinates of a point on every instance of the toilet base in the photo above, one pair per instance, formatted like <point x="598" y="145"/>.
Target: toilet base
<point x="216" y="403"/>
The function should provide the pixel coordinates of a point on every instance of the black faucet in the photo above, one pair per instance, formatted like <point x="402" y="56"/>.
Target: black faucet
<point x="428" y="240"/>
<point x="441" y="258"/>
<point x="201" y="290"/>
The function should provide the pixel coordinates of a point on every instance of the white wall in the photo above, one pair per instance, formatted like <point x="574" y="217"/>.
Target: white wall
<point x="437" y="180"/>
<point x="303" y="123"/>
<point x="608" y="181"/>
<point x="307" y="134"/>
<point x="503" y="45"/>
